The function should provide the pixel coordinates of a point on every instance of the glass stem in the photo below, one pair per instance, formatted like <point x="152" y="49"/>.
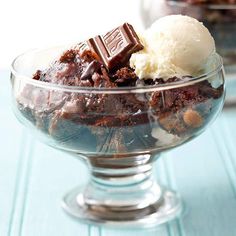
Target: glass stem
<point x="121" y="186"/>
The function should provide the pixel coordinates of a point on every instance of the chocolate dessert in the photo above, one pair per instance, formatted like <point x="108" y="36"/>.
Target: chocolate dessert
<point x="114" y="122"/>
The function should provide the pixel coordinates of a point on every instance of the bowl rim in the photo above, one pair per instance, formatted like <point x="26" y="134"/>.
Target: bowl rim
<point x="204" y="5"/>
<point x="187" y="81"/>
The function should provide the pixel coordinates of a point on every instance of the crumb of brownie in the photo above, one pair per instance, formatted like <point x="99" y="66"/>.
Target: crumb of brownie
<point x="192" y="118"/>
<point x="88" y="55"/>
<point x="125" y="77"/>
<point x="37" y="75"/>
<point x="125" y="73"/>
<point x="68" y="56"/>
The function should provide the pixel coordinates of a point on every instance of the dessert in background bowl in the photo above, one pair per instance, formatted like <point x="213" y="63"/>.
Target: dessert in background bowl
<point x="118" y="101"/>
<point x="219" y="16"/>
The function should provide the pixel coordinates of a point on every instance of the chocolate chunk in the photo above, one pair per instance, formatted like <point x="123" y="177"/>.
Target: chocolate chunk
<point x="93" y="67"/>
<point x="115" y="47"/>
<point x="87" y="52"/>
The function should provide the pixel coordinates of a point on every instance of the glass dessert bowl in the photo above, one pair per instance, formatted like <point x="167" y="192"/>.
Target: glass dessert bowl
<point x="119" y="132"/>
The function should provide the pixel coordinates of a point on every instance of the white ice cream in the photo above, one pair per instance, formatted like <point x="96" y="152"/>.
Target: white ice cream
<point x="174" y="45"/>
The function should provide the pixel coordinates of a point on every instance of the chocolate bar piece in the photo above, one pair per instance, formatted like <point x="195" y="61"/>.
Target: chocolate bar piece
<point x="115" y="47"/>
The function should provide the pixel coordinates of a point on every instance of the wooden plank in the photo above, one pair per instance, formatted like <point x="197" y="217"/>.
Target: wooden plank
<point x="11" y="152"/>
<point x="95" y="230"/>
<point x="160" y="231"/>
<point x="53" y="173"/>
<point x="21" y="184"/>
<point x="203" y="182"/>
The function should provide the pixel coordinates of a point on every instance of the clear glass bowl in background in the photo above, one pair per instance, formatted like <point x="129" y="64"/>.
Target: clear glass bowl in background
<point x="220" y="19"/>
<point x="119" y="142"/>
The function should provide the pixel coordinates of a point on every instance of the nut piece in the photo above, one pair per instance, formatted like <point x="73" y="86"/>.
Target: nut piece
<point x="192" y="118"/>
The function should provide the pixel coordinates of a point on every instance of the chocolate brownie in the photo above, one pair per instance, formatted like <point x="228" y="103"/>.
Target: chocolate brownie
<point x="107" y="122"/>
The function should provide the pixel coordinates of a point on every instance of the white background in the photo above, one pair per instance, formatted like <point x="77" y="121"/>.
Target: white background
<point x="26" y="24"/>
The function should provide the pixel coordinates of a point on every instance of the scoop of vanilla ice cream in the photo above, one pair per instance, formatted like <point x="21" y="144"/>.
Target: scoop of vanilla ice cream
<point x="174" y="45"/>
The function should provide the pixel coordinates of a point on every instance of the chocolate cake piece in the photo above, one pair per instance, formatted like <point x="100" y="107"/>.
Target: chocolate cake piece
<point x="112" y="122"/>
<point x="180" y="110"/>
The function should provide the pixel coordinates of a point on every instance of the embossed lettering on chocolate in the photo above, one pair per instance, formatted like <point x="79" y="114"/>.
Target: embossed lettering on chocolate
<point x="115" y="47"/>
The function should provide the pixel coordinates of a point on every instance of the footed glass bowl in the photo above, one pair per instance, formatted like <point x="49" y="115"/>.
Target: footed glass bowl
<point x="119" y="133"/>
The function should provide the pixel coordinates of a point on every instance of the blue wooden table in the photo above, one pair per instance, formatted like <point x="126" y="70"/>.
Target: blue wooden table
<point x="34" y="177"/>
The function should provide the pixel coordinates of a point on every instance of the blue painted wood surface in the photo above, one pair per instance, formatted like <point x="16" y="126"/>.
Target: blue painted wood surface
<point x="34" y="177"/>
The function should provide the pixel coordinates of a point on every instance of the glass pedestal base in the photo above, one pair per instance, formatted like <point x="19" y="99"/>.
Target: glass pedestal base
<point x="167" y="207"/>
